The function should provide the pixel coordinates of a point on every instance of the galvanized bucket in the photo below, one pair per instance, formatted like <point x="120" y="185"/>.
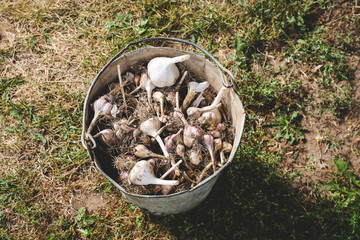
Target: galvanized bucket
<point x="186" y="200"/>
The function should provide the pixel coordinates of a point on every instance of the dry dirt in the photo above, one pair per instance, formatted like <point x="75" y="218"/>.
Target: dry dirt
<point x="327" y="136"/>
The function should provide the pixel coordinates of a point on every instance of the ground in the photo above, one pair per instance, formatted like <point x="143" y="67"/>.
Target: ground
<point x="296" y="174"/>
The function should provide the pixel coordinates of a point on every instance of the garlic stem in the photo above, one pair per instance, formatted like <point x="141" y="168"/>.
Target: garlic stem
<point x="209" y="143"/>
<point x="194" y="111"/>
<point x="162" y="146"/>
<point x="193" y="88"/>
<point x="177" y="100"/>
<point x="151" y="127"/>
<point x="171" y="169"/>
<point x="145" y="83"/>
<point x="121" y="85"/>
<point x="226" y="148"/>
<point x="198" y="100"/>
<point x="204" y="172"/>
<point x="220" y="96"/>
<point x="178" y="85"/>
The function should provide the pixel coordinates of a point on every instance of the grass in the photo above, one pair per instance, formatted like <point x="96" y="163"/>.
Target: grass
<point x="292" y="59"/>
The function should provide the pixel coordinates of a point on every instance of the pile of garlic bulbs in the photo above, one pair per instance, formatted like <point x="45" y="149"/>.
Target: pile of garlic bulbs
<point x="164" y="127"/>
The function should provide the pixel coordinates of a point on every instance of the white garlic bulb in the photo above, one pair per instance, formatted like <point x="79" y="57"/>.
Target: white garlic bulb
<point x="163" y="71"/>
<point x="143" y="174"/>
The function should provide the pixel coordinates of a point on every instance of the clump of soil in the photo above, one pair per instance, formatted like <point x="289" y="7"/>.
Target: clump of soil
<point x="133" y="108"/>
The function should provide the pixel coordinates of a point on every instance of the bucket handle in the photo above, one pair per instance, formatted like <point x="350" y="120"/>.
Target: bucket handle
<point x="221" y="67"/>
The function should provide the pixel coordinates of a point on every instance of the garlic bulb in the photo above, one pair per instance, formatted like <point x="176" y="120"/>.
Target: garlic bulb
<point x="163" y="71"/>
<point x="196" y="112"/>
<point x="143" y="174"/>
<point x="210" y="115"/>
<point x="143" y="152"/>
<point x="191" y="133"/>
<point x="217" y="145"/>
<point x="146" y="84"/>
<point x="121" y="127"/>
<point x="102" y="108"/>
<point x="151" y="127"/>
<point x="195" y="157"/>
<point x="172" y="140"/>
<point x="107" y="136"/>
<point x="209" y="143"/>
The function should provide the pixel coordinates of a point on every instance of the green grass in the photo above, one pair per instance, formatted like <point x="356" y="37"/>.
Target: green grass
<point x="50" y="53"/>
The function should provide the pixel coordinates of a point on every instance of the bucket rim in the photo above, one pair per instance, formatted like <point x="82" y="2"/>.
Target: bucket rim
<point x="92" y="153"/>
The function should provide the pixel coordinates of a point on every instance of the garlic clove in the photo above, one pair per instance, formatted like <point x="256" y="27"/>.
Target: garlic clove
<point x="160" y="98"/>
<point x="143" y="174"/>
<point x="163" y="71"/>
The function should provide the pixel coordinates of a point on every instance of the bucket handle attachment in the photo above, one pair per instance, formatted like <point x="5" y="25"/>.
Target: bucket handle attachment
<point x="226" y="83"/>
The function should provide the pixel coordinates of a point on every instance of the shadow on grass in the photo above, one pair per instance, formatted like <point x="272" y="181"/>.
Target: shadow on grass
<point x="249" y="201"/>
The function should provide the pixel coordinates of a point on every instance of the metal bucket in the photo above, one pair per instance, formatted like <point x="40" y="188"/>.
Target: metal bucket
<point x="186" y="200"/>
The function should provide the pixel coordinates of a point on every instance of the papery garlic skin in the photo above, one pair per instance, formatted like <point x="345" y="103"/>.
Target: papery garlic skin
<point x="163" y="71"/>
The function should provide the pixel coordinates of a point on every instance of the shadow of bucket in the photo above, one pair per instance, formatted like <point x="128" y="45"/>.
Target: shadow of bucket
<point x="186" y="200"/>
